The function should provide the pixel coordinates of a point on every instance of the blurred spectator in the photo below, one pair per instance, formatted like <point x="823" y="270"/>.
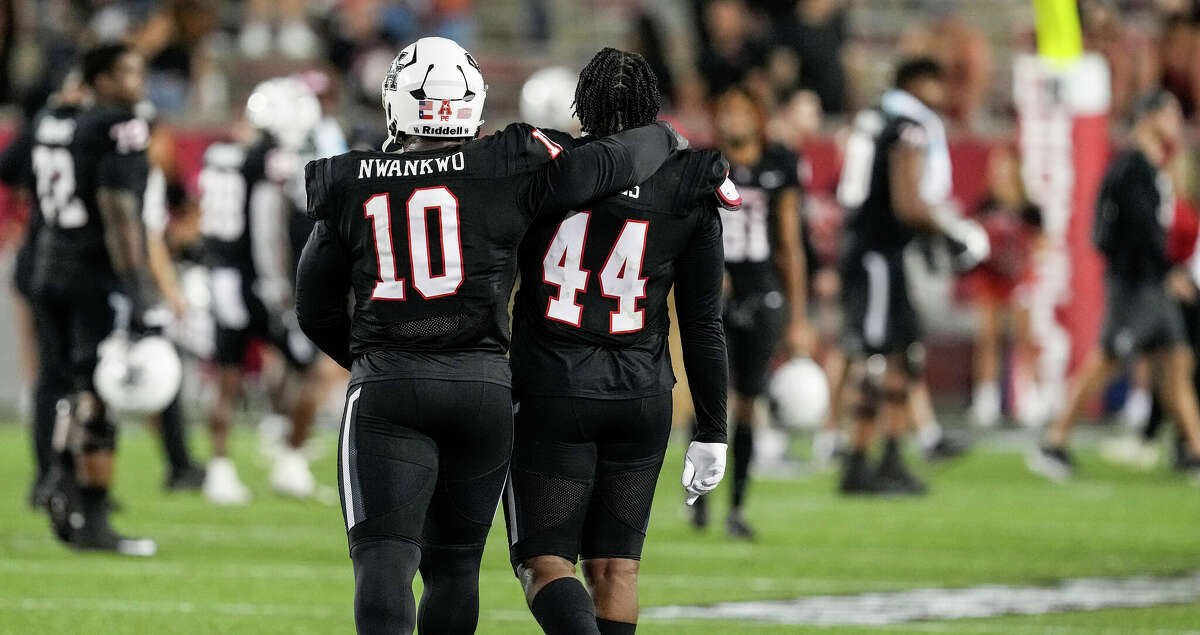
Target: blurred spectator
<point x="961" y="49"/>
<point x="732" y="55"/>
<point x="277" y="25"/>
<point x="813" y="35"/>
<point x="1130" y="62"/>
<point x="649" y="40"/>
<point x="1179" y="60"/>
<point x="1013" y="225"/>
<point x="175" y="40"/>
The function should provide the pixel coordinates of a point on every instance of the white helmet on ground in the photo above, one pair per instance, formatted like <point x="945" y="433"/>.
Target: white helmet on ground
<point x="138" y="377"/>
<point x="433" y="89"/>
<point x="800" y="394"/>
<point x="286" y="108"/>
<point x="548" y="98"/>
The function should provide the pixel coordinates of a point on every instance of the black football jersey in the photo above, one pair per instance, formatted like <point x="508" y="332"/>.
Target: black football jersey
<point x="1134" y="210"/>
<point x="428" y="240"/>
<point x="591" y="316"/>
<point x="73" y="156"/>
<point x="864" y="190"/>
<point x="751" y="233"/>
<point x="231" y="184"/>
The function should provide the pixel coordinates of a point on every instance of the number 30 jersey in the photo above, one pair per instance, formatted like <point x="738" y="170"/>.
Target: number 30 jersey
<point x="751" y="233"/>
<point x="427" y="241"/>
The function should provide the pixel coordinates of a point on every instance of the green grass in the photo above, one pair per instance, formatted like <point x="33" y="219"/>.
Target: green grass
<point x="281" y="566"/>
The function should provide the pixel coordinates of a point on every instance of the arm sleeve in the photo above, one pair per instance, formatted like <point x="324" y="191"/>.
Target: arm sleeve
<point x="268" y="240"/>
<point x="322" y="283"/>
<point x="697" y="303"/>
<point x="598" y="169"/>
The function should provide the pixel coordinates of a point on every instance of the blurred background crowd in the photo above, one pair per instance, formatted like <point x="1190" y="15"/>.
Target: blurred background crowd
<point x="810" y="63"/>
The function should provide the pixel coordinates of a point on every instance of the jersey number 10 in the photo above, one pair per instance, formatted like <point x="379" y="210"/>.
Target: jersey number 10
<point x="620" y="278"/>
<point x="438" y="199"/>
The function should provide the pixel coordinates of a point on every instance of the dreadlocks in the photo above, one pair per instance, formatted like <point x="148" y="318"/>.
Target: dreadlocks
<point x="616" y="91"/>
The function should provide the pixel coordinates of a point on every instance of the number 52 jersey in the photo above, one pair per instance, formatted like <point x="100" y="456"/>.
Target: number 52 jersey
<point x="427" y="240"/>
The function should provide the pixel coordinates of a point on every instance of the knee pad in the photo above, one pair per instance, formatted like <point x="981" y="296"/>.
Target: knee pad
<point x="870" y="386"/>
<point x="98" y="432"/>
<point x="914" y="361"/>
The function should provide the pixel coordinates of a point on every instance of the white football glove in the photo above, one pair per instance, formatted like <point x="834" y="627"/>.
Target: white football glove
<point x="703" y="468"/>
<point x="974" y="247"/>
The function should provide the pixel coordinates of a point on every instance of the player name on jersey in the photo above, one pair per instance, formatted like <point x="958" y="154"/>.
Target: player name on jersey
<point x="380" y="168"/>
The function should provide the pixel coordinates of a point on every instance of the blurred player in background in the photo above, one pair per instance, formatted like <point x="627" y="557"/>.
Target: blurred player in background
<point x="895" y="185"/>
<point x="1143" y="315"/>
<point x="92" y="278"/>
<point x="250" y="209"/>
<point x="765" y="262"/>
<point x="1013" y="225"/>
<point x="47" y="131"/>
<point x="592" y="374"/>
<point x="425" y="234"/>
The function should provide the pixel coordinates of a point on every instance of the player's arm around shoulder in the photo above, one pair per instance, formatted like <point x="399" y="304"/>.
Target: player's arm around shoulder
<point x="599" y="168"/>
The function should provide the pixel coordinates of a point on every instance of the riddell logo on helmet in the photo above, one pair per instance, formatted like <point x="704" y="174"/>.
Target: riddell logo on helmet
<point x="442" y="131"/>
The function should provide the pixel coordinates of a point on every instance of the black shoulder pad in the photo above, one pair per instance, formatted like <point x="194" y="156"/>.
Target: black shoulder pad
<point x="318" y="183"/>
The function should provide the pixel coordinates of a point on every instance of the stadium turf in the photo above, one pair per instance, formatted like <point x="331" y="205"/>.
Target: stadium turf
<point x="281" y="567"/>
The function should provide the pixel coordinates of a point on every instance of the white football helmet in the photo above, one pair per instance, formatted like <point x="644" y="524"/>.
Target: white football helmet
<point x="138" y="377"/>
<point x="434" y="88"/>
<point x="548" y="98"/>
<point x="286" y="108"/>
<point x="800" y="394"/>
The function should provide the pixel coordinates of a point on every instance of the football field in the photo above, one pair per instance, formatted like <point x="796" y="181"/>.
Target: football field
<point x="281" y="567"/>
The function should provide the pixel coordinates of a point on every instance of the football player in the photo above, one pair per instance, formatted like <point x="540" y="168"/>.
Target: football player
<point x="1143" y="314"/>
<point x="91" y="278"/>
<point x="592" y="374"/>
<point x="248" y="216"/>
<point x="765" y="261"/>
<point x="46" y="131"/>
<point x="895" y="185"/>
<point x="425" y="234"/>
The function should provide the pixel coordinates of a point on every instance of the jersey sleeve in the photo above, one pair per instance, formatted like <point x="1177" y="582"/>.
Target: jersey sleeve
<point x="596" y="169"/>
<point x="318" y="186"/>
<point x="697" y="303"/>
<point x="705" y="179"/>
<point x="322" y="287"/>
<point x="912" y="134"/>
<point x="122" y="143"/>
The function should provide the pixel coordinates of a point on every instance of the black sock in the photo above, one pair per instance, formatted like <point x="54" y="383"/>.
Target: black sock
<point x="742" y="447"/>
<point x="564" y="607"/>
<point x="45" y="411"/>
<point x="174" y="437"/>
<point x="1154" y="421"/>
<point x="94" y="501"/>
<point x="609" y="627"/>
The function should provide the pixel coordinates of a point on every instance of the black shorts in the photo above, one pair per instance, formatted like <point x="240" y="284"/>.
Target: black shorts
<point x="583" y="475"/>
<point x="423" y="460"/>
<point x="73" y="316"/>
<point x="878" y="317"/>
<point x="241" y="316"/>
<point x="1139" y="317"/>
<point x="753" y="325"/>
